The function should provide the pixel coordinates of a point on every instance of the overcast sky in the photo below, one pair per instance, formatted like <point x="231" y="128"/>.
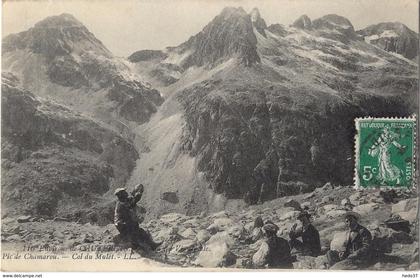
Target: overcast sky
<point x="125" y="26"/>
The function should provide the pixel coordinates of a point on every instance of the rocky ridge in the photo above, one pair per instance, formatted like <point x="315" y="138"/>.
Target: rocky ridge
<point x="60" y="59"/>
<point x="393" y="37"/>
<point x="56" y="162"/>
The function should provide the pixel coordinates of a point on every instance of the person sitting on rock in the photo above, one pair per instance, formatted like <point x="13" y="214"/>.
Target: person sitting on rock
<point x="274" y="251"/>
<point x="357" y="253"/>
<point x="126" y="221"/>
<point x="310" y="244"/>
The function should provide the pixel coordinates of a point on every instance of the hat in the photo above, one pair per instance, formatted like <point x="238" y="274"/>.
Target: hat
<point x="270" y="227"/>
<point x="119" y="190"/>
<point x="352" y="214"/>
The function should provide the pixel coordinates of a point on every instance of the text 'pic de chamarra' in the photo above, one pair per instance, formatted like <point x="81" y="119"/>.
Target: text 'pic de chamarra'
<point x="247" y="146"/>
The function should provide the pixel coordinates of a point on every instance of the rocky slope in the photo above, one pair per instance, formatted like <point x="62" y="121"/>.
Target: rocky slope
<point x="57" y="163"/>
<point x="60" y="59"/>
<point x="274" y="116"/>
<point x="221" y="239"/>
<point x="393" y="37"/>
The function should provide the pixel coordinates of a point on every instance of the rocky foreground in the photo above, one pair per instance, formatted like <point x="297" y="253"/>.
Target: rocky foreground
<point x="219" y="240"/>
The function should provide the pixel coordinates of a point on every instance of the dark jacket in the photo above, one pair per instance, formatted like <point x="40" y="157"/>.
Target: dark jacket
<point x="358" y="242"/>
<point x="125" y="213"/>
<point x="279" y="253"/>
<point x="310" y="239"/>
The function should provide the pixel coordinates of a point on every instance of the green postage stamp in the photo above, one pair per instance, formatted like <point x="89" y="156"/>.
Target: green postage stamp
<point x="385" y="152"/>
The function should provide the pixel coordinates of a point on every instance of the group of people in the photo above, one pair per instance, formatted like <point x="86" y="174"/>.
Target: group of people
<point x="274" y="251"/>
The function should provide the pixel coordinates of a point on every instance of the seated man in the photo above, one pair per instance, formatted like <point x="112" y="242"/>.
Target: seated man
<point x="357" y="253"/>
<point x="126" y="221"/>
<point x="274" y="251"/>
<point x="310" y="244"/>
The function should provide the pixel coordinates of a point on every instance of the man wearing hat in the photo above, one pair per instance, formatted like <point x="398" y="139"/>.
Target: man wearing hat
<point x="126" y="221"/>
<point x="274" y="251"/>
<point x="357" y="253"/>
<point x="310" y="244"/>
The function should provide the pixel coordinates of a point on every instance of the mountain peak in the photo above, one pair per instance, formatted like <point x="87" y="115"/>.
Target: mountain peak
<point x="255" y="14"/>
<point x="303" y="22"/>
<point x="333" y="21"/>
<point x="257" y="21"/>
<point x="393" y="37"/>
<point x="232" y="12"/>
<point x="56" y="36"/>
<point x="228" y="35"/>
<point x="58" y="21"/>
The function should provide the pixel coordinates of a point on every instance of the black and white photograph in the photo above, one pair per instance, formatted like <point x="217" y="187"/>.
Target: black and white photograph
<point x="198" y="135"/>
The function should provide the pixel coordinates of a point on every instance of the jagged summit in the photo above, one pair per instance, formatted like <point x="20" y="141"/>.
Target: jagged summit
<point x="257" y="21"/>
<point x="303" y="22"/>
<point x="61" y="51"/>
<point x="228" y="35"/>
<point x="59" y="21"/>
<point x="393" y="37"/>
<point x="333" y="21"/>
<point x="56" y="36"/>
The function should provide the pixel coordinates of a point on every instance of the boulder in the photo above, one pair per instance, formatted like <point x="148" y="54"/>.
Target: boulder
<point x="110" y="229"/>
<point x="249" y="226"/>
<point x="183" y="247"/>
<point x="219" y="224"/>
<point x="243" y="263"/>
<point x="327" y="199"/>
<point x="308" y="262"/>
<point x="13" y="238"/>
<point x="383" y="239"/>
<point x="345" y="202"/>
<point x="326" y="187"/>
<point x="222" y="237"/>
<point x="216" y="254"/>
<point x="336" y="214"/>
<point x="357" y="198"/>
<point x="172" y="218"/>
<point x="24" y="219"/>
<point x="165" y="234"/>
<point x="293" y="204"/>
<point x="365" y="209"/>
<point x="12" y="229"/>
<point x="237" y="231"/>
<point x="309" y="196"/>
<point x="411" y="215"/>
<point x="87" y="238"/>
<point x="289" y="215"/>
<point x="414" y="266"/>
<point x="306" y="205"/>
<point x="171" y="197"/>
<point x="220" y="214"/>
<point x="405" y="205"/>
<point x="202" y="236"/>
<point x="339" y="241"/>
<point x="328" y="208"/>
<point x="188" y="233"/>
<point x="191" y="223"/>
<point x="57" y="234"/>
<point x="284" y="210"/>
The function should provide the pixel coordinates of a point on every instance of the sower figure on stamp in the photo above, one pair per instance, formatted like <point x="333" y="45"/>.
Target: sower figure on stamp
<point x="310" y="244"/>
<point x="274" y="251"/>
<point x="358" y="253"/>
<point x="126" y="221"/>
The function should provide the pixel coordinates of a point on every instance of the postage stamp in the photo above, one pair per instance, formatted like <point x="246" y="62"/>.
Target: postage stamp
<point x="385" y="152"/>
